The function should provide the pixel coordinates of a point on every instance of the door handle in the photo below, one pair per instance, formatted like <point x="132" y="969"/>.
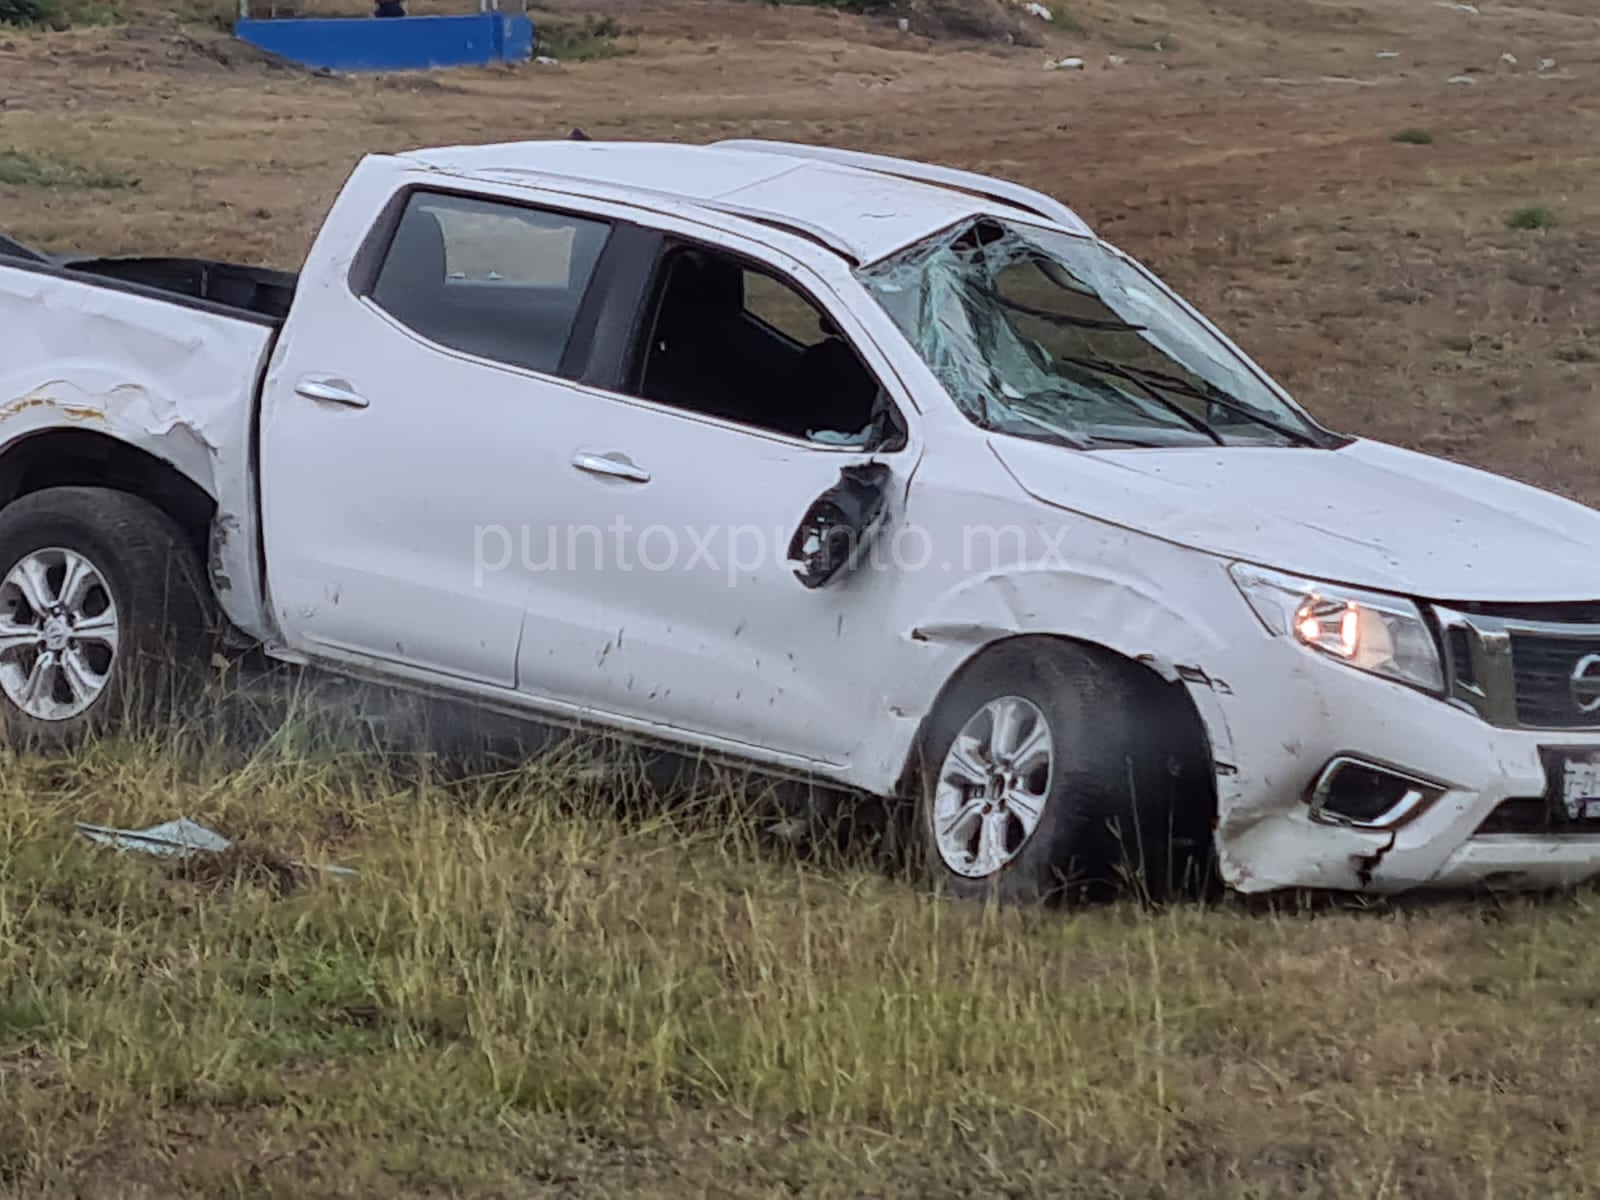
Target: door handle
<point x="330" y="391"/>
<point x="605" y="464"/>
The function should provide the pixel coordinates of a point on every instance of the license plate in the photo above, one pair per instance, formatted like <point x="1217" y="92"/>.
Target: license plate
<point x="1579" y="786"/>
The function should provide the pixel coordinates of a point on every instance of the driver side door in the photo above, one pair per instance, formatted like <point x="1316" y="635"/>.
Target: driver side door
<point x="744" y="397"/>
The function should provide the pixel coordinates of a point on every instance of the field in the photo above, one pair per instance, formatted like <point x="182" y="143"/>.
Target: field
<point x="539" y="983"/>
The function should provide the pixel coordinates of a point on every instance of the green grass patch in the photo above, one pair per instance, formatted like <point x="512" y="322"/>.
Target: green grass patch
<point x="1065" y="19"/>
<point x="30" y="12"/>
<point x="848" y="6"/>
<point x="1533" y="217"/>
<point x="58" y="14"/>
<point x="591" y="39"/>
<point x="93" y="13"/>
<point x="20" y="169"/>
<point x="1412" y="137"/>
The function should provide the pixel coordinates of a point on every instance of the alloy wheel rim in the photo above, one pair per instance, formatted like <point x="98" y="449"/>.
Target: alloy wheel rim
<point x="992" y="787"/>
<point x="59" y="633"/>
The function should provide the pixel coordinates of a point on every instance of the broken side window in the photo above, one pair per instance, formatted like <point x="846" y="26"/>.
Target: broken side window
<point x="1045" y="334"/>
<point x="731" y="339"/>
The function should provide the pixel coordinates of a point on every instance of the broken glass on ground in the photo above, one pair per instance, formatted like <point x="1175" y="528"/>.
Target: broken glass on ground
<point x="186" y="840"/>
<point x="178" y="838"/>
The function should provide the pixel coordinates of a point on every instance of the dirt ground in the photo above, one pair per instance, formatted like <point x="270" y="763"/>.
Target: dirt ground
<point x="1249" y="160"/>
<point x="1247" y="150"/>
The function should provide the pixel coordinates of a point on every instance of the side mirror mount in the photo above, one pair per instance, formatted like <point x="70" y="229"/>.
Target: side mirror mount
<point x="841" y="524"/>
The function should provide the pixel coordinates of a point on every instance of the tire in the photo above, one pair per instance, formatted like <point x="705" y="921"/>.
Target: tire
<point x="142" y="572"/>
<point x="1124" y="798"/>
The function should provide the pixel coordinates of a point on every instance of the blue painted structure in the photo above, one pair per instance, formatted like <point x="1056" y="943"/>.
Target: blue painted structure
<point x="393" y="43"/>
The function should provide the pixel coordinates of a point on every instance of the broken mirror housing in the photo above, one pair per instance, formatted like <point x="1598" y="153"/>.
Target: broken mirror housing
<point x="1371" y="631"/>
<point x="840" y="524"/>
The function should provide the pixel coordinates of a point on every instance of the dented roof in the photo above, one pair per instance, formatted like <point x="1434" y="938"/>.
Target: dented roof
<point x="865" y="208"/>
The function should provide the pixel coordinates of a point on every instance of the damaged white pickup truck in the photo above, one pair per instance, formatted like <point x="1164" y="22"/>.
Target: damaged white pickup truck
<point x="855" y="469"/>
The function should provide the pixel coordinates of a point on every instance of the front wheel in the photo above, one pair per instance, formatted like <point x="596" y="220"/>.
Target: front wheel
<point x="1053" y="770"/>
<point x="104" y="613"/>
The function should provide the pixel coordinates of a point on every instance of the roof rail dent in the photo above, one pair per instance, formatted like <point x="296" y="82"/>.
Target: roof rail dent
<point x="969" y="181"/>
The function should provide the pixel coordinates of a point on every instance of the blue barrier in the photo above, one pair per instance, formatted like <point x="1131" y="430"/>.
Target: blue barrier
<point x="393" y="43"/>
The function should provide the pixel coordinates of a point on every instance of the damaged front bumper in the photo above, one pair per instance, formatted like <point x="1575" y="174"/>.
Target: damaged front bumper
<point x="1345" y="781"/>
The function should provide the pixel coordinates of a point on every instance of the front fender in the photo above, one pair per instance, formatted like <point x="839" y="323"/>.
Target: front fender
<point x="1154" y="616"/>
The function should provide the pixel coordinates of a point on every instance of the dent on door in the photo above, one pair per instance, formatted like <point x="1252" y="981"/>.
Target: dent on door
<point x="841" y="524"/>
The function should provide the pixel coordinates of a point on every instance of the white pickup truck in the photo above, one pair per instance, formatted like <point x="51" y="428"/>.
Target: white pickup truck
<point x="855" y="469"/>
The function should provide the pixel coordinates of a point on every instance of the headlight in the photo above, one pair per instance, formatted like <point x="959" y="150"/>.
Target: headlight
<point x="1385" y="635"/>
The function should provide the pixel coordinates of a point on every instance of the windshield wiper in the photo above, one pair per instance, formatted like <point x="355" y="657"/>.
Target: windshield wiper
<point x="1209" y="392"/>
<point x="1058" y="318"/>
<point x="1149" y="389"/>
<point x="1146" y="377"/>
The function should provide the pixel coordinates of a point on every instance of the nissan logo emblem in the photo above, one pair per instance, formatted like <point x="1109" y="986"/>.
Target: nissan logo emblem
<point x="1585" y="683"/>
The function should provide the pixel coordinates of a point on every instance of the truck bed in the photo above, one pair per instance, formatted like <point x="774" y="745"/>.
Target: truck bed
<point x="260" y="293"/>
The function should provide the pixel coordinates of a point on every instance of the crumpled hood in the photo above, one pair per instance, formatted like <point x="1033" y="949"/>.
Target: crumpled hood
<point x="1367" y="514"/>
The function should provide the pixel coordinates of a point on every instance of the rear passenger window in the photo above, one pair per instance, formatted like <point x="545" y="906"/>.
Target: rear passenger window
<point x="496" y="280"/>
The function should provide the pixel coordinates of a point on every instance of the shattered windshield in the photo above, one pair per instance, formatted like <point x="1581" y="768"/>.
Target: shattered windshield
<point x="1047" y="335"/>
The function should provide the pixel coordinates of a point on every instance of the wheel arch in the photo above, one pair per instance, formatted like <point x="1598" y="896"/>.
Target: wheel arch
<point x="1182" y="694"/>
<point x="57" y="457"/>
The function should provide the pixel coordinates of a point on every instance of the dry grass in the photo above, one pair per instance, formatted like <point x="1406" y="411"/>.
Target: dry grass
<point x="534" y="988"/>
<point x="542" y="982"/>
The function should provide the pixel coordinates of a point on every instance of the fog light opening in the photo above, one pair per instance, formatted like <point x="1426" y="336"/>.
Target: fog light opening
<point x="1362" y="795"/>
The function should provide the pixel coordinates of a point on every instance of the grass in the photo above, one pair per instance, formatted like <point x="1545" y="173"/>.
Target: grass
<point x="94" y="13"/>
<point x="542" y="978"/>
<point x="849" y="6"/>
<point x="56" y="15"/>
<point x="29" y="13"/>
<point x="20" y="169"/>
<point x="589" y="40"/>
<point x="1065" y="19"/>
<point x="1412" y="137"/>
<point x="1531" y="218"/>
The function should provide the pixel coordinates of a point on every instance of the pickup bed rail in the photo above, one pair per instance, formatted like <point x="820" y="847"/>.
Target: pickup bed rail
<point x="259" y="292"/>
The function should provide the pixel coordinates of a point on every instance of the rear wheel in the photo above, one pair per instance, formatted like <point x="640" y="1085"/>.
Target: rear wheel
<point x="104" y="614"/>
<point x="1053" y="770"/>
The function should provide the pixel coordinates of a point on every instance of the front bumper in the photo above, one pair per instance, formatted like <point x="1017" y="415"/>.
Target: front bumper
<point x="1290" y="711"/>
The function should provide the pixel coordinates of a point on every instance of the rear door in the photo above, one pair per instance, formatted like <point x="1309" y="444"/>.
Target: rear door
<point x="404" y="419"/>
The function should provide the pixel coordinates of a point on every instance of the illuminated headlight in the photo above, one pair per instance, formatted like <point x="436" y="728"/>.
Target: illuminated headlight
<point x="1385" y="635"/>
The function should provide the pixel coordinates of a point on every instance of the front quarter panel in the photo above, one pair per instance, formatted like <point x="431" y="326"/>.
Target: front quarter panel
<point x="997" y="565"/>
<point x="1273" y="712"/>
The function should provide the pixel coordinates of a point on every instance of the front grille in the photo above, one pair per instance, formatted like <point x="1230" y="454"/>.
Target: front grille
<point x="1533" y="815"/>
<point x="1458" y="642"/>
<point x="1525" y="814"/>
<point x="1580" y="613"/>
<point x="1543" y="668"/>
<point x="1525" y="666"/>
